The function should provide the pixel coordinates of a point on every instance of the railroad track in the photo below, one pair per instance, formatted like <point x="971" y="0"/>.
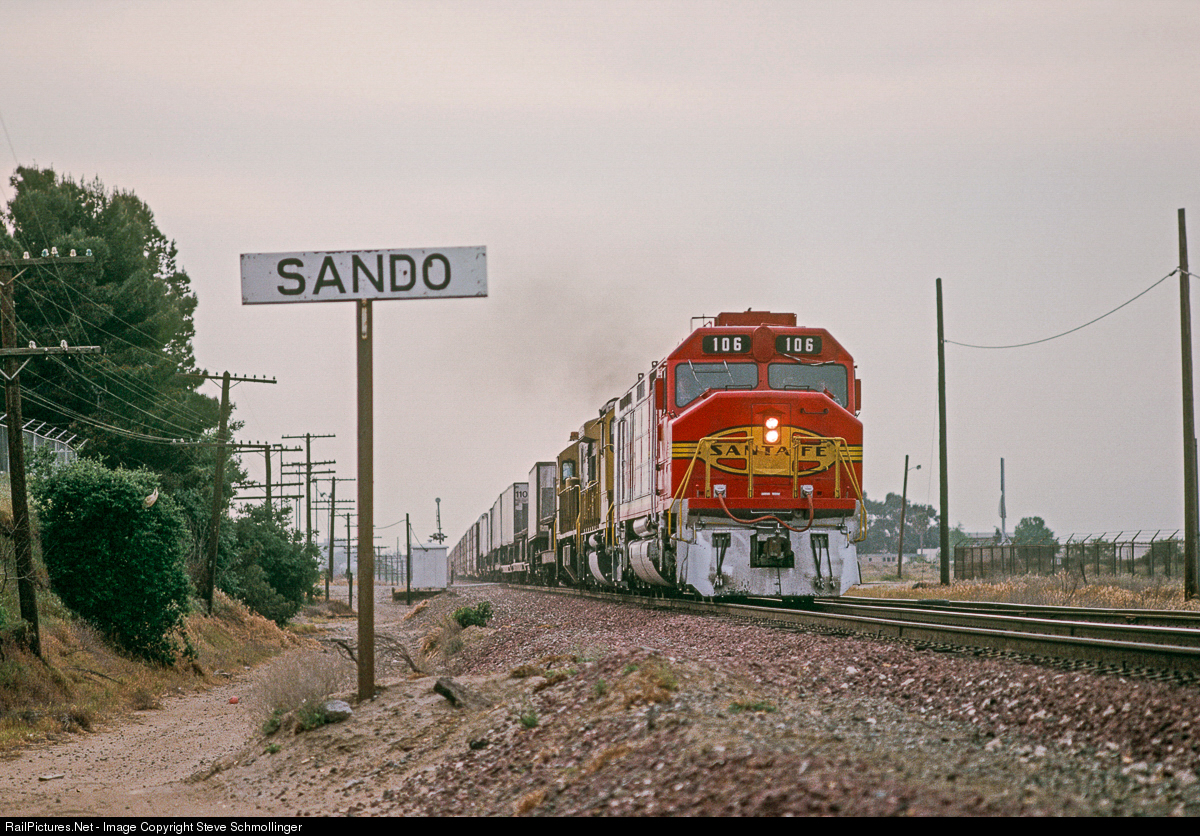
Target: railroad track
<point x="1111" y="640"/>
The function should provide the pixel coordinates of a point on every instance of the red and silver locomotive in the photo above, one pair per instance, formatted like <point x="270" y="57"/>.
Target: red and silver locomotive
<point x="734" y="469"/>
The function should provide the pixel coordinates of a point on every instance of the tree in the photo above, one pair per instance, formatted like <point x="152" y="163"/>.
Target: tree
<point x="115" y="556"/>
<point x="272" y="570"/>
<point x="133" y="300"/>
<point x="883" y="527"/>
<point x="1033" y="531"/>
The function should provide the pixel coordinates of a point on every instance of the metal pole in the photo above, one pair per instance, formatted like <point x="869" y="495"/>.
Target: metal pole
<point x="366" y="520"/>
<point x="408" y="562"/>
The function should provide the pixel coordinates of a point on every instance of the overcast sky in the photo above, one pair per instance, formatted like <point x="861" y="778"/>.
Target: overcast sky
<point x="631" y="165"/>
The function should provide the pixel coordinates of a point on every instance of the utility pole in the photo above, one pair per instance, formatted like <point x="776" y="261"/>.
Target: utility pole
<point x="308" y="466"/>
<point x="332" y="515"/>
<point x="944" y="539"/>
<point x="218" y="503"/>
<point x="1191" y="512"/>
<point x="903" y="508"/>
<point x="22" y="531"/>
<point x="349" y="571"/>
<point x="214" y="528"/>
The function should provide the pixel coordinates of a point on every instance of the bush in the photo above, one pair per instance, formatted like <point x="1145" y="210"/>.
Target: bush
<point x="477" y="616"/>
<point x="114" y="561"/>
<point x="273" y="570"/>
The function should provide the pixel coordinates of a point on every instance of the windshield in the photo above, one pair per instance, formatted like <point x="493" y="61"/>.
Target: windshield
<point x="694" y="379"/>
<point x="829" y="377"/>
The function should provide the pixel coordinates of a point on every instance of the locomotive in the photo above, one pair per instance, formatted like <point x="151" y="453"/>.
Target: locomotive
<point x="733" y="469"/>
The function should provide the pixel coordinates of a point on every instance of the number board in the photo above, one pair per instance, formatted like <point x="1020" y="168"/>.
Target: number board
<point x="798" y="344"/>
<point x="726" y="344"/>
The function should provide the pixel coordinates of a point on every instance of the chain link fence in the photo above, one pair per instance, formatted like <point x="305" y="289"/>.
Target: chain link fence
<point x="1135" y="555"/>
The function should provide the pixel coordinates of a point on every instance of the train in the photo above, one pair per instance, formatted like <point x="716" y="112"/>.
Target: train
<point x="731" y="469"/>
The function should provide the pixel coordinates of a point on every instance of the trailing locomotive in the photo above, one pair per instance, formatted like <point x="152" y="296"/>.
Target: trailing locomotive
<point x="733" y="469"/>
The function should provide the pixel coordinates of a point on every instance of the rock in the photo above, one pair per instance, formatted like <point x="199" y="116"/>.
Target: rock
<point x="337" y="710"/>
<point x="458" y="695"/>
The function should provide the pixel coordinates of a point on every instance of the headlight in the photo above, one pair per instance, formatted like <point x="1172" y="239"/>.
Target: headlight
<point x="771" y="436"/>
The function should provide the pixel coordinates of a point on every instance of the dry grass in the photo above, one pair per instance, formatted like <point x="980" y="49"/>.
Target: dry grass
<point x="652" y="681"/>
<point x="415" y="611"/>
<point x="445" y="640"/>
<point x="1064" y="590"/>
<point x="303" y="678"/>
<point x="80" y="681"/>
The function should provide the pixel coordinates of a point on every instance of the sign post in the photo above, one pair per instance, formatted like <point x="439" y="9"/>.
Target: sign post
<point x="362" y="277"/>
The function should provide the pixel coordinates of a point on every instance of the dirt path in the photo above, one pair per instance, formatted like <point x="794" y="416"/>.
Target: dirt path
<point x="131" y="768"/>
<point x="137" y="766"/>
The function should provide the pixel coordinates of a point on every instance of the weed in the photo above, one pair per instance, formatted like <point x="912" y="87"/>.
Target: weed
<point x="600" y="689"/>
<point x="311" y="715"/>
<point x="756" y="706"/>
<point x="650" y="682"/>
<point x="590" y="654"/>
<point x="273" y="748"/>
<point x="529" y="719"/>
<point x="477" y="616"/>
<point x="446" y="640"/>
<point x="143" y="699"/>
<point x="273" y="722"/>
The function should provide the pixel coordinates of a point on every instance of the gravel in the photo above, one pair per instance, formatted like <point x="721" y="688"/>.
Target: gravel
<point x="625" y="710"/>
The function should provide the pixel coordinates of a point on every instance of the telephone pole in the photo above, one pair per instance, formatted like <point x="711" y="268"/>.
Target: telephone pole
<point x="944" y="468"/>
<point x="22" y="531"/>
<point x="332" y="514"/>
<point x="219" y="474"/>
<point x="1191" y="512"/>
<point x="308" y="466"/>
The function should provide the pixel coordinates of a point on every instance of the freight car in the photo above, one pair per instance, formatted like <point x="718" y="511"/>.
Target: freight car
<point x="733" y="469"/>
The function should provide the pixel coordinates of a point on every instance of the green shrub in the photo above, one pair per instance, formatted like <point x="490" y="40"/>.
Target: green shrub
<point x="116" y="562"/>
<point x="477" y="616"/>
<point x="273" y="570"/>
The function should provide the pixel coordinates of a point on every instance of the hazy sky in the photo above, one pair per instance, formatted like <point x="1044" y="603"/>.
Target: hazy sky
<point x="631" y="165"/>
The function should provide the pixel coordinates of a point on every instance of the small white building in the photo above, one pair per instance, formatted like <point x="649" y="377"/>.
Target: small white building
<point x="430" y="566"/>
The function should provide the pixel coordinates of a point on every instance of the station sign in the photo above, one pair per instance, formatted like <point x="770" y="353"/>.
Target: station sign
<point x="445" y="273"/>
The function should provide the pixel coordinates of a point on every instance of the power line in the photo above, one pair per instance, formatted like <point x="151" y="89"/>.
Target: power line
<point x="1073" y="330"/>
